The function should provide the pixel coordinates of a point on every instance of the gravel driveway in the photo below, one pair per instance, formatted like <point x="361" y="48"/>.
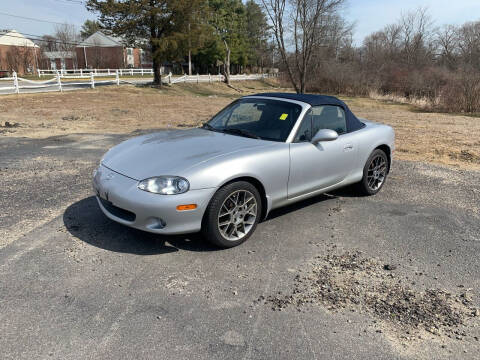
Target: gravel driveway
<point x="395" y="276"/>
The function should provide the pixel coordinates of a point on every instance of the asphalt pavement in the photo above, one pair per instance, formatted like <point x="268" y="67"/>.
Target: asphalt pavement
<point x="75" y="285"/>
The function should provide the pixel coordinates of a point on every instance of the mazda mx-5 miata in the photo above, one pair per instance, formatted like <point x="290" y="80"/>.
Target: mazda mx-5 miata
<point x="259" y="153"/>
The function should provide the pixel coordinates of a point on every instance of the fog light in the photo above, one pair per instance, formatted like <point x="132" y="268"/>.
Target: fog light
<point x="186" y="207"/>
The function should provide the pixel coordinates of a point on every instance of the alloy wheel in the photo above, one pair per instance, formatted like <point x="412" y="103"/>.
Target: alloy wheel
<point x="237" y="215"/>
<point x="376" y="173"/>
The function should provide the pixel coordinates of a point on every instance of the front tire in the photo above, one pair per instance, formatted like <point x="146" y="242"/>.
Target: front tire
<point x="232" y="215"/>
<point x="375" y="173"/>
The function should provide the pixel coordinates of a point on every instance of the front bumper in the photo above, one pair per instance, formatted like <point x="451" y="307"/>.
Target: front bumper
<point x="120" y="200"/>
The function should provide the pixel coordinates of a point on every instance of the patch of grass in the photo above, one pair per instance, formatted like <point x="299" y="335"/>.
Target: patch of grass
<point x="203" y="89"/>
<point x="220" y="89"/>
<point x="431" y="137"/>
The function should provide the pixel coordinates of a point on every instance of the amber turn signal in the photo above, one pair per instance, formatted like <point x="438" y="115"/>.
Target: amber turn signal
<point x="186" y="207"/>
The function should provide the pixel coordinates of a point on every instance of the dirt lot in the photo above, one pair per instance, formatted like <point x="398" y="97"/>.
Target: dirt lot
<point x="441" y="138"/>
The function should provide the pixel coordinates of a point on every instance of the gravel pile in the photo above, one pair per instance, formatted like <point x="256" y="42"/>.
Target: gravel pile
<point x="352" y="281"/>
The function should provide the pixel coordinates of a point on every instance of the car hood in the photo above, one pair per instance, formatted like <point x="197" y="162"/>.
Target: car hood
<point x="172" y="152"/>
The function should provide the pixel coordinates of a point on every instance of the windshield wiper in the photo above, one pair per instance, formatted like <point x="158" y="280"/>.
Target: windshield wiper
<point x="209" y="127"/>
<point x="240" y="132"/>
<point x="233" y="131"/>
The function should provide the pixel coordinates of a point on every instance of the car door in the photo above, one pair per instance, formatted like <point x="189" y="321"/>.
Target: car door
<point x="317" y="166"/>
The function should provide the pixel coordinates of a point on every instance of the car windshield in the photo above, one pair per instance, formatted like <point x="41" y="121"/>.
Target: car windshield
<point x="257" y="118"/>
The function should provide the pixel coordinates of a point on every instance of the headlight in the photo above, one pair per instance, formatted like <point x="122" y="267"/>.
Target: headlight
<point x="165" y="185"/>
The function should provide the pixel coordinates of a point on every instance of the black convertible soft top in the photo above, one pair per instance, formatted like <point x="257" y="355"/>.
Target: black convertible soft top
<point x="317" y="100"/>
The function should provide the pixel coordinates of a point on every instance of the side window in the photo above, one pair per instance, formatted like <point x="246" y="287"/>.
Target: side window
<point x="304" y="132"/>
<point x="328" y="117"/>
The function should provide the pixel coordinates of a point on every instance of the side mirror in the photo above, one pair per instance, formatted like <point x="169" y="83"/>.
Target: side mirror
<point x="324" y="135"/>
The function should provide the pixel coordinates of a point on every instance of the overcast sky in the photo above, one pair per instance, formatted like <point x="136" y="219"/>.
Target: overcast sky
<point x="368" y="15"/>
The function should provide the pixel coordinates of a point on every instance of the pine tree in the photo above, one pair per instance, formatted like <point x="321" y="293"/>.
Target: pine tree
<point x="159" y="24"/>
<point x="89" y="28"/>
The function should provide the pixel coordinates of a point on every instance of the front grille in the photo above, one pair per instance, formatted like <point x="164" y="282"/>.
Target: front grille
<point x="118" y="212"/>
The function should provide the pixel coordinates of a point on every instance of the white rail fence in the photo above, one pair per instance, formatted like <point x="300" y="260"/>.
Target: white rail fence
<point x="60" y="82"/>
<point x="82" y="72"/>
<point x="213" y="78"/>
<point x="18" y="84"/>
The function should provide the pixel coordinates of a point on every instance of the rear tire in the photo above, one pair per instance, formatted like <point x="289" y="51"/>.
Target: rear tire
<point x="232" y="214"/>
<point x="375" y="173"/>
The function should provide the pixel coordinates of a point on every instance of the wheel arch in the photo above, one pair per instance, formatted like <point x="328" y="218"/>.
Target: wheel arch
<point x="258" y="185"/>
<point x="386" y="149"/>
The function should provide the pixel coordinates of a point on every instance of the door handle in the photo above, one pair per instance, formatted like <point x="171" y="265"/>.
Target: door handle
<point x="348" y="147"/>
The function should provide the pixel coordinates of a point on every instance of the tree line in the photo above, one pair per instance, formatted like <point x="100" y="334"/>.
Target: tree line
<point x="213" y="34"/>
<point x="310" y="41"/>
<point x="412" y="59"/>
<point x="438" y="66"/>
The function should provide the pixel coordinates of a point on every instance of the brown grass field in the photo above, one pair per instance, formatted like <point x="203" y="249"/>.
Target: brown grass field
<point x="432" y="137"/>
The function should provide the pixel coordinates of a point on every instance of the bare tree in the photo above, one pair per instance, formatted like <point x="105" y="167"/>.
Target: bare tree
<point x="301" y="21"/>
<point x="470" y="89"/>
<point x="43" y="62"/>
<point x="27" y="58"/>
<point x="417" y="35"/>
<point x="97" y="57"/>
<point x="447" y="45"/>
<point x="381" y="51"/>
<point x="67" y="38"/>
<point x="410" y="58"/>
<point x="469" y="43"/>
<point x="392" y="40"/>
<point x="48" y="43"/>
<point x="14" y="59"/>
<point x="336" y="42"/>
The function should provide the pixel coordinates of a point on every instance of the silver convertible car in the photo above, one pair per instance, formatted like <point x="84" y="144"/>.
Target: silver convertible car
<point x="259" y="153"/>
